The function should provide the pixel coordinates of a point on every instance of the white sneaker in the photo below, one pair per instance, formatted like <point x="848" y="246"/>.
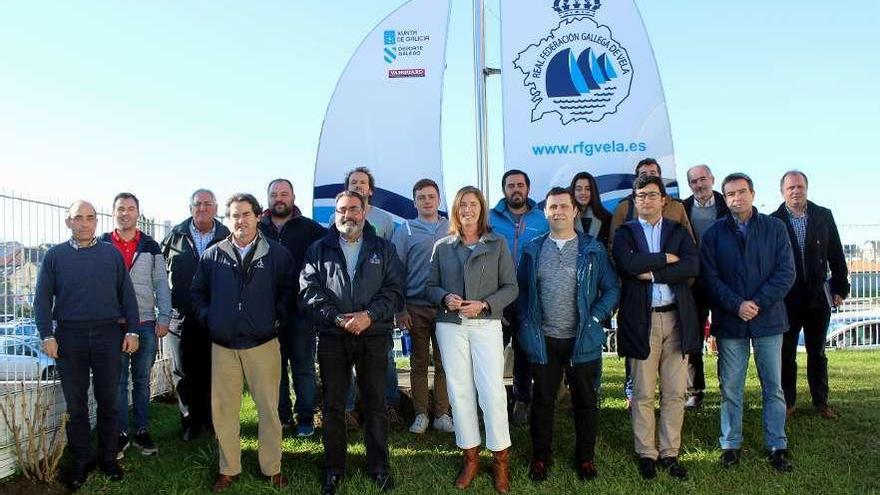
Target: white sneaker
<point x="420" y="424"/>
<point x="444" y="423"/>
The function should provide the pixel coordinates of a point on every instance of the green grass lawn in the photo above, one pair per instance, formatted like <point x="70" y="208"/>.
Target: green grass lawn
<point x="830" y="456"/>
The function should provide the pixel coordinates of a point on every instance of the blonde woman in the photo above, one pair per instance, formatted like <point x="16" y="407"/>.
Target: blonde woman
<point x="472" y="280"/>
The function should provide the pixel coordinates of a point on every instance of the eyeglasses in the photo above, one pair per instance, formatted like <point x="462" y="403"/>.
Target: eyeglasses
<point x="206" y="204"/>
<point x="354" y="210"/>
<point x="647" y="195"/>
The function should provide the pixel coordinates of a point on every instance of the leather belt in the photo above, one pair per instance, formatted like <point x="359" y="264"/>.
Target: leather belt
<point x="664" y="309"/>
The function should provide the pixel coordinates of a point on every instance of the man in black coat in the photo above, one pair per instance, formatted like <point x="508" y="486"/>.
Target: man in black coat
<point x="187" y="341"/>
<point x="817" y="249"/>
<point x="703" y="207"/>
<point x="283" y="222"/>
<point x="352" y="283"/>
<point x="657" y="322"/>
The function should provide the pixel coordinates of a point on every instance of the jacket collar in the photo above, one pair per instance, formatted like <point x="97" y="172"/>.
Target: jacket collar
<point x="502" y="209"/>
<point x="144" y="239"/>
<point x="782" y="211"/>
<point x="266" y="217"/>
<point x="732" y="222"/>
<point x="331" y="238"/>
<point x="586" y="244"/>
<point x="666" y="228"/>
<point x="182" y="228"/>
<point x="261" y="246"/>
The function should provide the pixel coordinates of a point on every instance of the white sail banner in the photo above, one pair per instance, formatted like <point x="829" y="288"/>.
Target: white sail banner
<point x="581" y="92"/>
<point x="385" y="111"/>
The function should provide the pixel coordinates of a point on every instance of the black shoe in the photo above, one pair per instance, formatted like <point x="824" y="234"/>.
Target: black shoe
<point x="730" y="457"/>
<point x="675" y="469"/>
<point x="587" y="471"/>
<point x="780" y="459"/>
<point x="383" y="481"/>
<point x="537" y="470"/>
<point x="113" y="471"/>
<point x="144" y="442"/>
<point x="121" y="444"/>
<point x="190" y="433"/>
<point x="78" y="476"/>
<point x="331" y="484"/>
<point x="646" y="468"/>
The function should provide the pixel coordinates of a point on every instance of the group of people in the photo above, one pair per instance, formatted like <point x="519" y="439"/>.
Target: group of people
<point x="246" y="299"/>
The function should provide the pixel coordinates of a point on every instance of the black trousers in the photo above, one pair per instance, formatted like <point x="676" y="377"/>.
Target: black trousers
<point x="583" y="380"/>
<point x="695" y="360"/>
<point x="194" y="387"/>
<point x="81" y="351"/>
<point x="522" y="375"/>
<point x="369" y="355"/>
<point x="814" y="322"/>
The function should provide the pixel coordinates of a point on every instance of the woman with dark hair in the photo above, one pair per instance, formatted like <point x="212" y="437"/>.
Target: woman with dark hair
<point x="595" y="220"/>
<point x="472" y="280"/>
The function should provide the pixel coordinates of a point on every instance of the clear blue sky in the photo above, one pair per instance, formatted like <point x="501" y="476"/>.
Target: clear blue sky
<point x="162" y="97"/>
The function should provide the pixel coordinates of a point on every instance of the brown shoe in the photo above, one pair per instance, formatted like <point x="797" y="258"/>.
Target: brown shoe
<point x="395" y="420"/>
<point x="223" y="483"/>
<point x="470" y="468"/>
<point x="789" y="412"/>
<point x="278" y="481"/>
<point x="827" y="413"/>
<point x="501" y="470"/>
<point x="351" y="421"/>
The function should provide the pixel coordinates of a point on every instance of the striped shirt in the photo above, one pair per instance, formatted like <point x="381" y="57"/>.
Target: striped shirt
<point x="201" y="240"/>
<point x="799" y="225"/>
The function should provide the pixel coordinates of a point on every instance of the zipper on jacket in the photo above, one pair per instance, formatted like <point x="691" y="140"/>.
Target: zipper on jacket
<point x="579" y="336"/>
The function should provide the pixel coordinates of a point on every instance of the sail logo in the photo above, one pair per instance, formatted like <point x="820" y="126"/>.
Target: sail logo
<point x="402" y="47"/>
<point x="579" y="72"/>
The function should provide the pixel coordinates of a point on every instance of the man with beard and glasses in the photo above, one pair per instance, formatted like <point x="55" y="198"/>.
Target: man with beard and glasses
<point x="361" y="181"/>
<point x="517" y="219"/>
<point x="352" y="282"/>
<point x="284" y="222"/>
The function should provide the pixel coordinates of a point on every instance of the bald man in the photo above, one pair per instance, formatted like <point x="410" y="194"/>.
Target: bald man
<point x="84" y="287"/>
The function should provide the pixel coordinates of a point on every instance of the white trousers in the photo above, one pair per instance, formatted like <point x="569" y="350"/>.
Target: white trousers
<point x="473" y="357"/>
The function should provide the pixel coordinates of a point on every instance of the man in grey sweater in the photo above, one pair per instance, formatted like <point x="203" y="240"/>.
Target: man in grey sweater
<point x="414" y="240"/>
<point x="146" y="267"/>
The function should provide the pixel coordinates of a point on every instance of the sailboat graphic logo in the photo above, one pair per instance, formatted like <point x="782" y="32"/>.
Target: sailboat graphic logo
<point x="579" y="72"/>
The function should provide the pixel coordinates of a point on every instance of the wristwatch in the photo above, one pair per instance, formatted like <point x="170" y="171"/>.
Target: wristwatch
<point x="339" y="321"/>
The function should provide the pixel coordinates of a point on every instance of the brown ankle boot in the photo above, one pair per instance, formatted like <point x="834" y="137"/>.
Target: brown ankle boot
<point x="469" y="469"/>
<point x="501" y="471"/>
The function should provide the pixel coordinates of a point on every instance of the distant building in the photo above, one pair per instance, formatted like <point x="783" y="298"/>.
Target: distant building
<point x="871" y="251"/>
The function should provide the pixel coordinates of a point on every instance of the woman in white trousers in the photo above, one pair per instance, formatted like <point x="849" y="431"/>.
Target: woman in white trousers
<point x="472" y="280"/>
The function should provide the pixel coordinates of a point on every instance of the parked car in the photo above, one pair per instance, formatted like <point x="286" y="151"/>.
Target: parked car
<point x="23" y="327"/>
<point x="22" y="358"/>
<point x="852" y="329"/>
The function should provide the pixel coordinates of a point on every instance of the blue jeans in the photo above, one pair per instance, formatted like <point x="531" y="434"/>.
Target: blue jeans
<point x="733" y="362"/>
<point x="141" y="364"/>
<point x="392" y="393"/>
<point x="297" y="353"/>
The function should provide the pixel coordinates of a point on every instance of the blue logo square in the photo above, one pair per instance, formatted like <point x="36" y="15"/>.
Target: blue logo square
<point x="390" y="37"/>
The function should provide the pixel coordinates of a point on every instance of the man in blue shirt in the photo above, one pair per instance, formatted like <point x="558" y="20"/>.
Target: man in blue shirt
<point x="747" y="269"/>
